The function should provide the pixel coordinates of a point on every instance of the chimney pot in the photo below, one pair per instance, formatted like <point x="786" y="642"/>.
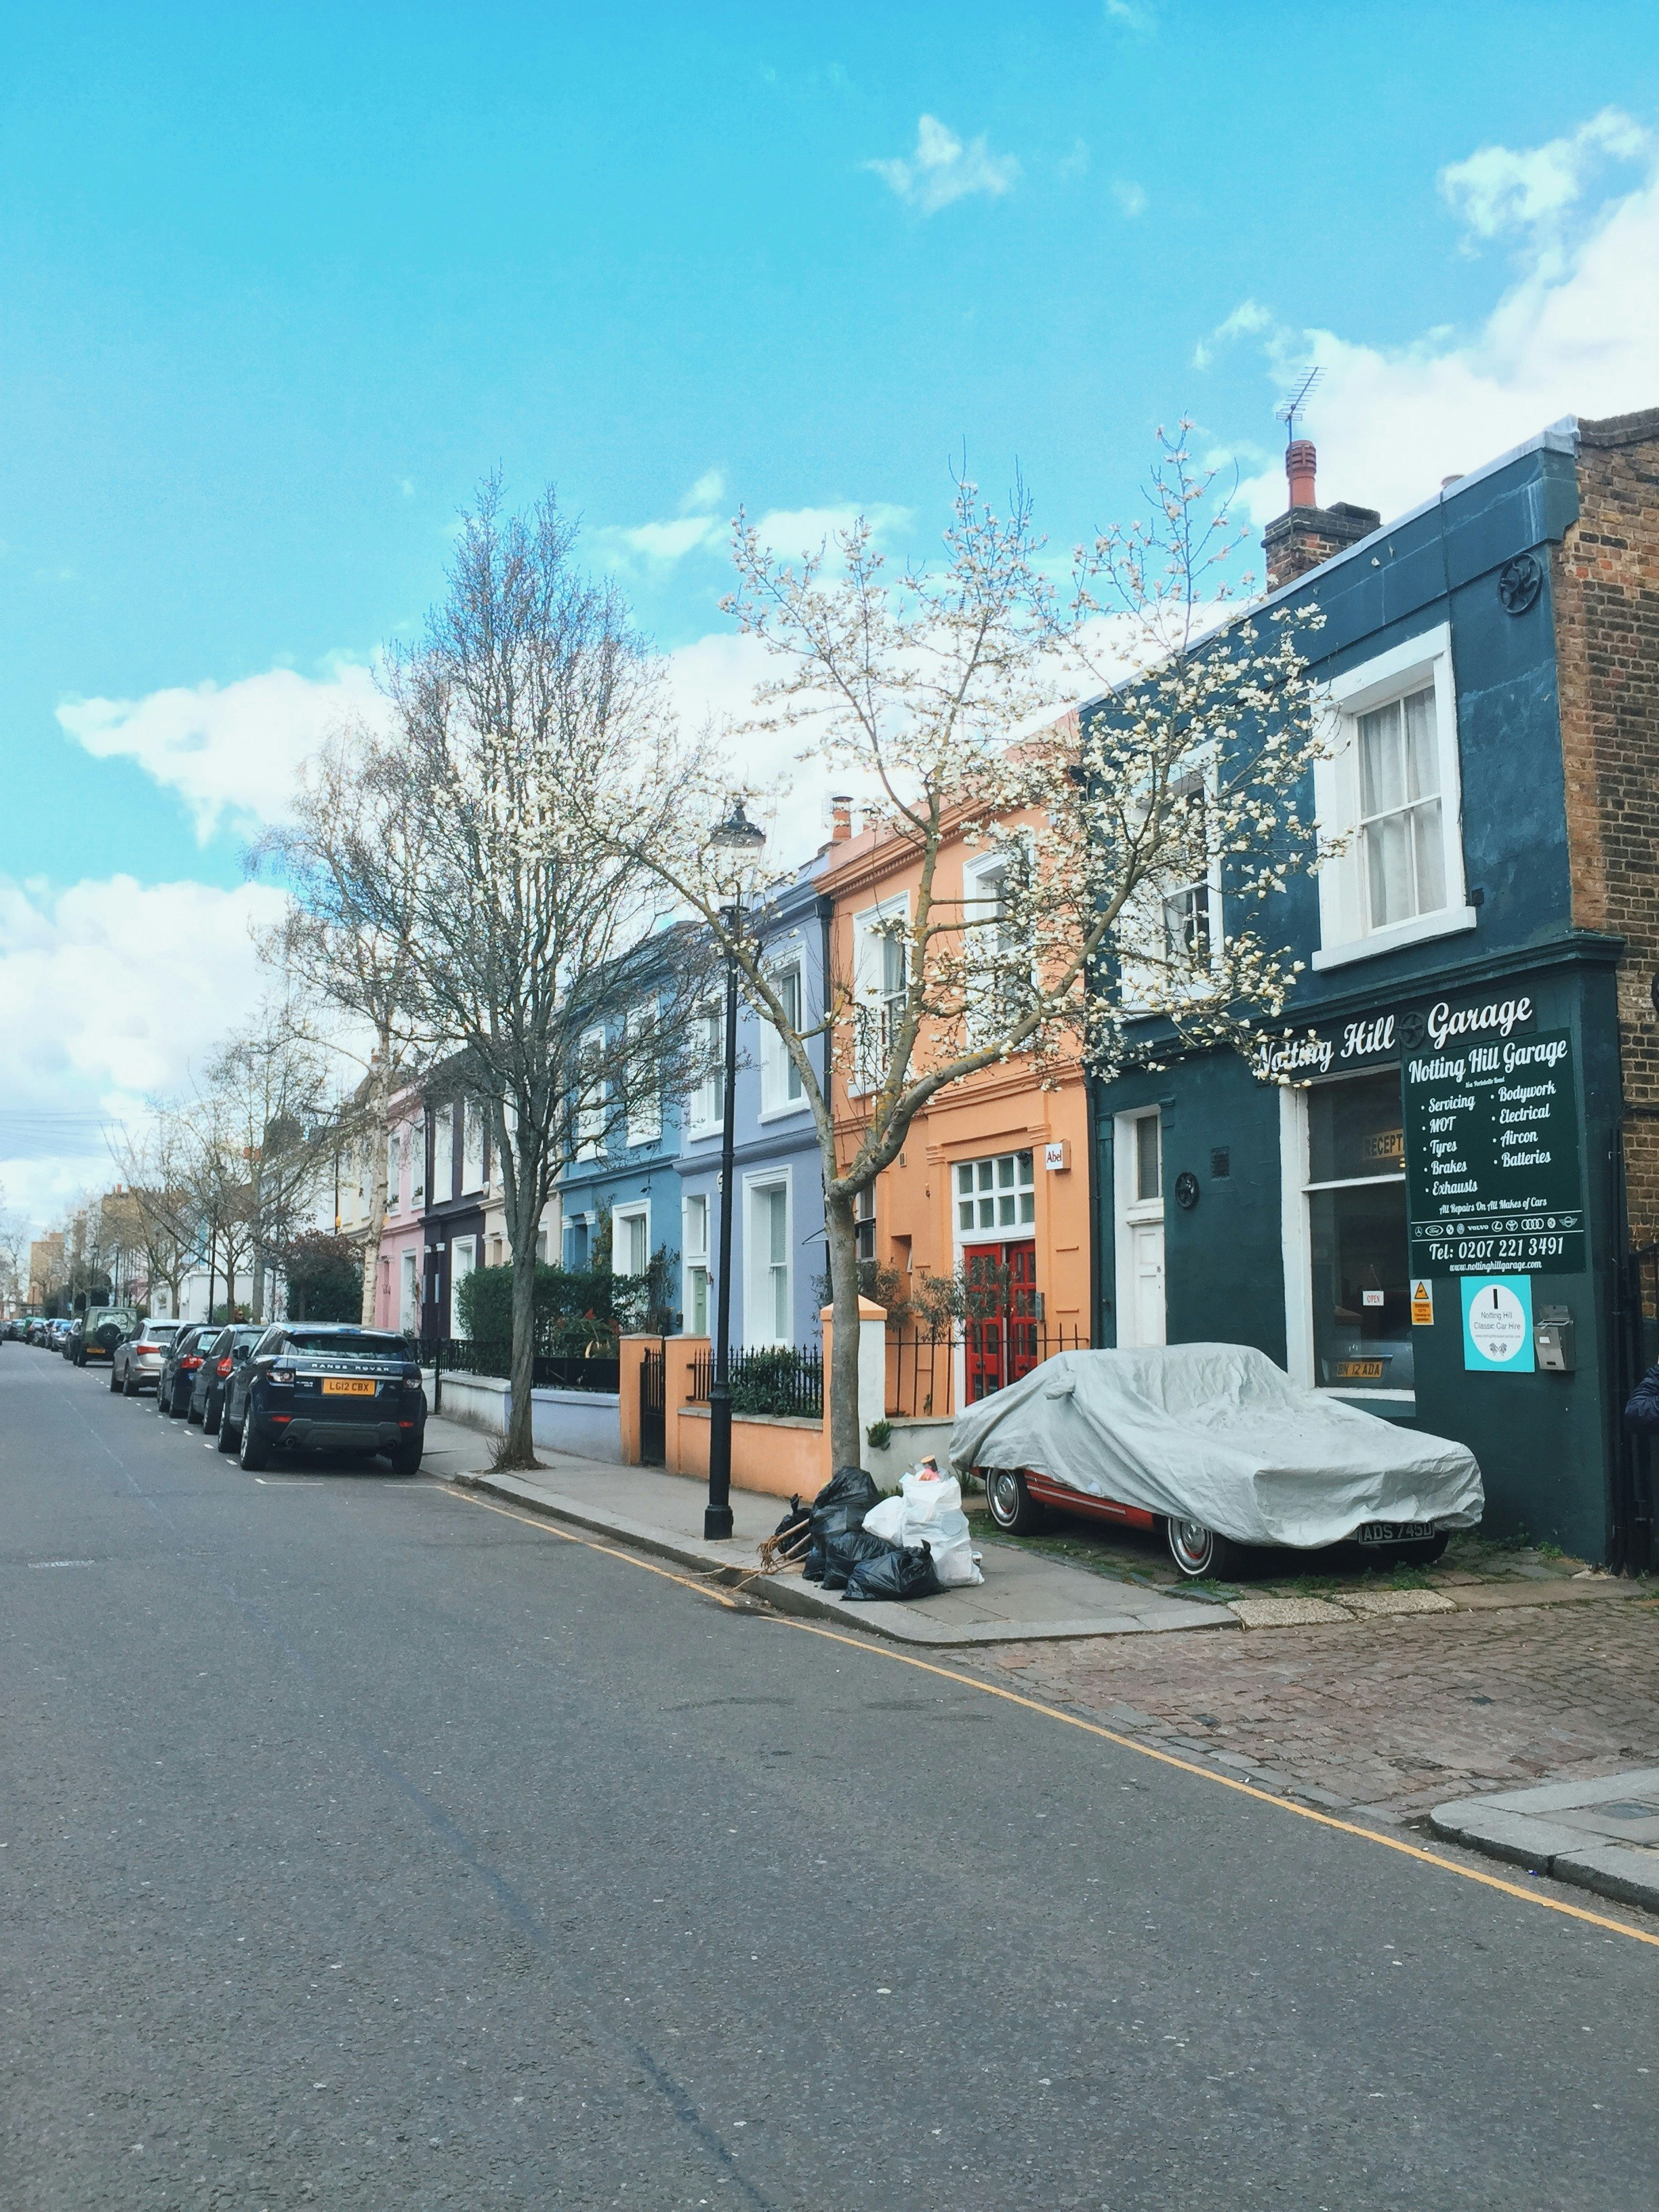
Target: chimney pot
<point x="841" y="818"/>
<point x="1300" y="461"/>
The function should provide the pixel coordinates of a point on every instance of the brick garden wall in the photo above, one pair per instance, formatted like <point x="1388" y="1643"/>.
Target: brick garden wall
<point x="1607" y="603"/>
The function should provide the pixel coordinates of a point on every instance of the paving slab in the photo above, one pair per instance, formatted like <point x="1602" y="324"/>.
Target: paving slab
<point x="1287" y="1612"/>
<point x="1386" y="1603"/>
<point x="1603" y="1835"/>
<point x="1025" y="1597"/>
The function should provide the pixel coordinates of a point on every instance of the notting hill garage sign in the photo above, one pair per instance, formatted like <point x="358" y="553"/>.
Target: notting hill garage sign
<point x="1489" y="1104"/>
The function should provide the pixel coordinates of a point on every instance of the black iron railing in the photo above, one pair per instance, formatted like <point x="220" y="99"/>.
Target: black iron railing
<point x="784" y="1380"/>
<point x="550" y="1370"/>
<point x="931" y="1373"/>
<point x="1636" y="1481"/>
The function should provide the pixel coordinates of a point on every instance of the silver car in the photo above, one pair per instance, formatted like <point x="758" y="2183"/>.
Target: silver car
<point x="137" y="1363"/>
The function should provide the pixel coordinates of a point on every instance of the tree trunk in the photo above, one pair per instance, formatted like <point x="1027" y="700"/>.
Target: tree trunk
<point x="520" y="1450"/>
<point x="377" y="1195"/>
<point x="846" y="1428"/>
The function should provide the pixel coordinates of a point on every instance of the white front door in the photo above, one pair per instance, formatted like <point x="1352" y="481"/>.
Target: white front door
<point x="1138" y="1191"/>
<point x="1146" y="1259"/>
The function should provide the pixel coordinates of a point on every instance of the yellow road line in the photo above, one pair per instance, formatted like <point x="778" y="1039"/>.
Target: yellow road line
<point x="874" y="1649"/>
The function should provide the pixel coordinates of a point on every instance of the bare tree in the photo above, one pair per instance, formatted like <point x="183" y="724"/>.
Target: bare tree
<point x="265" y="1107"/>
<point x="530" y="942"/>
<point x="1114" y="842"/>
<point x="351" y="861"/>
<point x="155" y="1166"/>
<point x="14" y="1253"/>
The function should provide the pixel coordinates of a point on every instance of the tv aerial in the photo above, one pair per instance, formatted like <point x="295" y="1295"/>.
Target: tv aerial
<point x="1288" y="409"/>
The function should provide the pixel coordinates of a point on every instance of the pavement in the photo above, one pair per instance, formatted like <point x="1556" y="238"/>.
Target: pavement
<point x="1024" y="1598"/>
<point x="1601" y="1835"/>
<point x="370" y="1842"/>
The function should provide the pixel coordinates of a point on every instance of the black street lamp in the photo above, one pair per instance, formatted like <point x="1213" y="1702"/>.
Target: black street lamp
<point x="743" y="840"/>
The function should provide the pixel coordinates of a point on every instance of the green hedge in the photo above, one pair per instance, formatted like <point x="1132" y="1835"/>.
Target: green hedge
<point x="563" y="1295"/>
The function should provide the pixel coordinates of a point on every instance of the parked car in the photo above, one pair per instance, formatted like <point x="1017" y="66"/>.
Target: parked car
<point x="1216" y="1447"/>
<point x="100" y="1330"/>
<point x="332" y="1383"/>
<point x="39" y="1331"/>
<point x="220" y="1359"/>
<point x="184" y="1357"/>
<point x="139" y="1356"/>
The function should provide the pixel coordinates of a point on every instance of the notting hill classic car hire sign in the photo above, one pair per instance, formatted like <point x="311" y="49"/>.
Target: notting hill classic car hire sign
<point x="1491" y="1112"/>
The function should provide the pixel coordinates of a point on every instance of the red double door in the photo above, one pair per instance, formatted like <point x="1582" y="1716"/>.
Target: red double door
<point x="1001" y="1343"/>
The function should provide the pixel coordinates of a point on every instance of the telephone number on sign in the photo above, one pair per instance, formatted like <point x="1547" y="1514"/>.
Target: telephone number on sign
<point x="1482" y="1251"/>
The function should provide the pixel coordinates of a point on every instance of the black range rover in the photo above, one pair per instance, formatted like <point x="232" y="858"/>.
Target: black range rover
<point x="329" y="1384"/>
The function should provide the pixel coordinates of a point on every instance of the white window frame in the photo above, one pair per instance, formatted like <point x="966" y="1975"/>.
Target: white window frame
<point x="759" y="1304"/>
<point x="977" y="905"/>
<point x="871" y="1003"/>
<point x="472" y="1146"/>
<point x="463" y="1259"/>
<point x="623" y="1217"/>
<point x="695" y="1208"/>
<point x="394" y="1169"/>
<point x="706" y="1107"/>
<point x="590" y="1117"/>
<point x="1002" y="1232"/>
<point x="1131" y="1212"/>
<point x="1295" y="1241"/>
<point x="1151" y="982"/>
<point x="644" y="1104"/>
<point x="443" y="1155"/>
<point x="777" y="1071"/>
<point x="1344" y="931"/>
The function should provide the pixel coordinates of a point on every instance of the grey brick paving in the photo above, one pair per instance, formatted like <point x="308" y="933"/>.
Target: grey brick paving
<point x="1392" y="1716"/>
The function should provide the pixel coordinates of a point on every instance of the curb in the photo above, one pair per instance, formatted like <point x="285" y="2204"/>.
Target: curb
<point x="1494" y="1827"/>
<point x="789" y="1593"/>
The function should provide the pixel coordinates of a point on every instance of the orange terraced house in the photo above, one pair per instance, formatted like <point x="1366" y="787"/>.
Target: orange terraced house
<point x="994" y="1176"/>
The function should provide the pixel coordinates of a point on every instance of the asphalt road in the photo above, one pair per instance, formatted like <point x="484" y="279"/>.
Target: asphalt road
<point x="363" y="1846"/>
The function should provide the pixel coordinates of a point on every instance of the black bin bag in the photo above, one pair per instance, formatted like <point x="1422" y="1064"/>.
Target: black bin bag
<point x="841" y="1504"/>
<point x="846" y="1550"/>
<point x="898" y="1573"/>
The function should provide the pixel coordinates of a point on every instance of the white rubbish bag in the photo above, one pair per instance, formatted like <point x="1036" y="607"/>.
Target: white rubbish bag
<point x="887" y="1520"/>
<point x="934" y="1516"/>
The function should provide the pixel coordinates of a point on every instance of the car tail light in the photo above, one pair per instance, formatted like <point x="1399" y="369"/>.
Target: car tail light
<point x="226" y="1365"/>
<point x="282" y="1376"/>
<point x="146" y="1347"/>
<point x="190" y="1361"/>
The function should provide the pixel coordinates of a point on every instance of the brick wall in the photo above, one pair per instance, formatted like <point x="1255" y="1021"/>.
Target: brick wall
<point x="1607" y="615"/>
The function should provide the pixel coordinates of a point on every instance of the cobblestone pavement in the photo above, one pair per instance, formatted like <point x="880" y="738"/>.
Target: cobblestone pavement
<point x="1388" y="1715"/>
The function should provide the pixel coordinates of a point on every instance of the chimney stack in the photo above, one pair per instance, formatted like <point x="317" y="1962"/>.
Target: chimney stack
<point x="841" y="818"/>
<point x="1306" y="535"/>
<point x="1300" y="463"/>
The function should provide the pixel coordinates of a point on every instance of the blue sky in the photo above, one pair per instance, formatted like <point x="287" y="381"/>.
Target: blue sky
<point x="279" y="284"/>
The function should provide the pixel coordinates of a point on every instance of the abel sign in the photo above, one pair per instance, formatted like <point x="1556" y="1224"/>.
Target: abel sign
<point x="1492" y="1147"/>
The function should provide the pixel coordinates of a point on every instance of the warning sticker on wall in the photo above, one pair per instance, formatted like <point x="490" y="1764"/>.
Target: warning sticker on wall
<point x="1422" y="1302"/>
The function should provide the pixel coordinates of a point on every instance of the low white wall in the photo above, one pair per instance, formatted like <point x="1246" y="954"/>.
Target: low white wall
<point x="587" y="1423"/>
<point x="911" y="1441"/>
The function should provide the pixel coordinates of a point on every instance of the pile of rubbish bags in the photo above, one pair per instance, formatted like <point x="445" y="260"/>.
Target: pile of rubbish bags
<point x="874" y="1548"/>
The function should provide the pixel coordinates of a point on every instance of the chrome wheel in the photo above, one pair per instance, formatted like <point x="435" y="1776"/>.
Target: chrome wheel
<point x="1010" y="1501"/>
<point x="1195" y="1549"/>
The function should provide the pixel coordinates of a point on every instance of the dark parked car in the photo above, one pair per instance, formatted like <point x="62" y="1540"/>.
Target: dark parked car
<point x="329" y="1384"/>
<point x="220" y="1358"/>
<point x="179" y="1370"/>
<point x="139" y="1356"/>
<point x="99" y="1331"/>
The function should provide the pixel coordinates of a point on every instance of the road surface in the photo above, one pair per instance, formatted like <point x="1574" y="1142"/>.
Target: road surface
<point x="363" y="1845"/>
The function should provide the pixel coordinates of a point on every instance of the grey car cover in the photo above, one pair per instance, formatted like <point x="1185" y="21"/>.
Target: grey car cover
<point x="1216" y="1433"/>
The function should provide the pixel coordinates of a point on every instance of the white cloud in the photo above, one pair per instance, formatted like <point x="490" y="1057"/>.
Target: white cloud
<point x="667" y="541"/>
<point x="103" y="1002"/>
<point x="708" y="492"/>
<point x="790" y="531"/>
<point x="1577" y="333"/>
<point x="230" y="750"/>
<point x="1498" y="189"/>
<point x="943" y="169"/>
<point x="1131" y="198"/>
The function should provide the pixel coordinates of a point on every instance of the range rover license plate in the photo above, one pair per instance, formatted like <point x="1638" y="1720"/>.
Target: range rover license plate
<point x="1394" y="1532"/>
<point x="347" y="1386"/>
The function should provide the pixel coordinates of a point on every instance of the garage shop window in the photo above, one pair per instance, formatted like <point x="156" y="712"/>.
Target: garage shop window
<point x="1351" y="1253"/>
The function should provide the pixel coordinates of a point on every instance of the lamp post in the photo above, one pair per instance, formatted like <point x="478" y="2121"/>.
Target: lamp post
<point x="743" y="840"/>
